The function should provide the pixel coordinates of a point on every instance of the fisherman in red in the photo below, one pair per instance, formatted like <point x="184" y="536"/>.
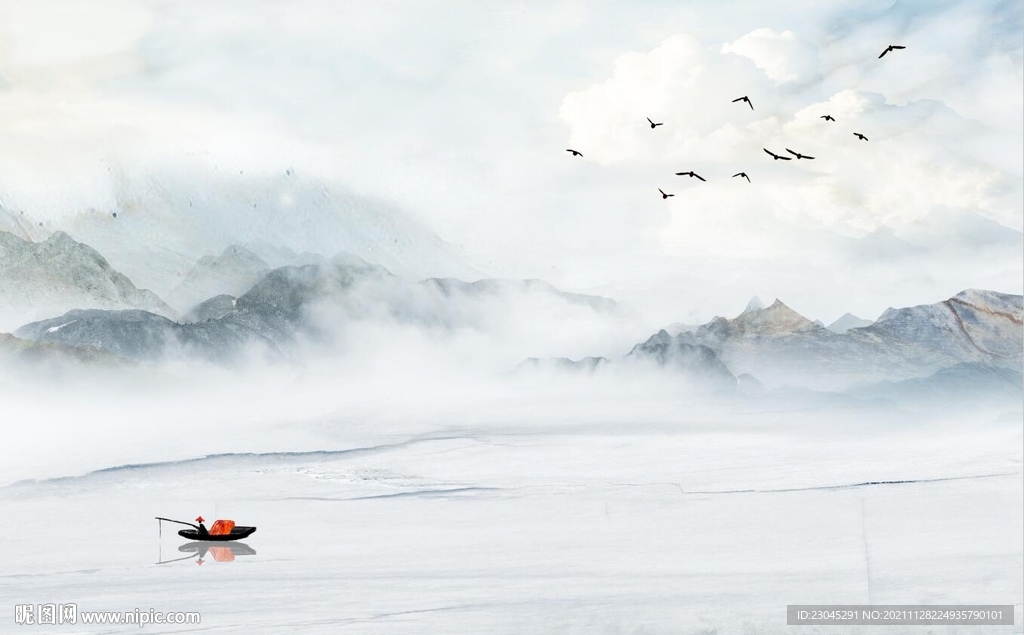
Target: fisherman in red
<point x="202" y="528"/>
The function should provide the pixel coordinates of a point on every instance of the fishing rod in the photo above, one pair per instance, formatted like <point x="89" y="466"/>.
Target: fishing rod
<point x="171" y="520"/>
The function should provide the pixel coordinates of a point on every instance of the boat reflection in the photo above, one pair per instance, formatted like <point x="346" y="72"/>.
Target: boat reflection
<point x="219" y="551"/>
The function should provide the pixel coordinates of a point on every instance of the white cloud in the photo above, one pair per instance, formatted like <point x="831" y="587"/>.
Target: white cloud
<point x="782" y="56"/>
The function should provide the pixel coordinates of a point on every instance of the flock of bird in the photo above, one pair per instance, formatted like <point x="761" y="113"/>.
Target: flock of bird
<point x="774" y="156"/>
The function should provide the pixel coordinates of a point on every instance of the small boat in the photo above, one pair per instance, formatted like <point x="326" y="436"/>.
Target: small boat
<point x="237" y="533"/>
<point x="221" y="531"/>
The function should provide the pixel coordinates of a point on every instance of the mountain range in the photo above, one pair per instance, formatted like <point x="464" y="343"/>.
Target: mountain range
<point x="974" y="337"/>
<point x="238" y="303"/>
<point x="295" y="303"/>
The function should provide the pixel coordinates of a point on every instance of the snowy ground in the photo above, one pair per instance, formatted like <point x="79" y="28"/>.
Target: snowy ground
<point x="700" y="526"/>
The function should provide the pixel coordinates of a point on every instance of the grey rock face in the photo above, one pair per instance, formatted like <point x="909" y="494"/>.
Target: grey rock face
<point x="132" y="334"/>
<point x="972" y="326"/>
<point x="685" y="354"/>
<point x="778" y="344"/>
<point x="215" y="307"/>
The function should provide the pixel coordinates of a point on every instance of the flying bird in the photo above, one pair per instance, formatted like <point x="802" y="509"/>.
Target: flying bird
<point x="775" y="156"/>
<point x="574" y="152"/>
<point x="891" y="47"/>
<point x="827" y="117"/>
<point x="743" y="174"/>
<point x="654" y="125"/>
<point x="860" y="136"/>
<point x="664" y="195"/>
<point x="798" y="155"/>
<point x="691" y="174"/>
<point x="744" y="98"/>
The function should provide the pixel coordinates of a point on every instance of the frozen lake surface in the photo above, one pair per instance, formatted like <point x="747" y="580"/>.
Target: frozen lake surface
<point x="615" y="528"/>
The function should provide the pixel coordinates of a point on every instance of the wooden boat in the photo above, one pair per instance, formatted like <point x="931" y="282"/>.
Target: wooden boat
<point x="199" y="532"/>
<point x="237" y="533"/>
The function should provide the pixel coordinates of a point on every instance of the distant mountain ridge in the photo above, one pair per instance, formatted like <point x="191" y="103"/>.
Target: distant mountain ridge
<point x="103" y="314"/>
<point x="778" y="343"/>
<point x="684" y="354"/>
<point x="974" y="337"/>
<point x="286" y="304"/>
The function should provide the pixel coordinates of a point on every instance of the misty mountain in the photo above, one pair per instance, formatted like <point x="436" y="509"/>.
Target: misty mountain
<point x="450" y="287"/>
<point x="562" y="364"/>
<point x="233" y="272"/>
<point x="676" y="328"/>
<point x="684" y="354"/>
<point x="973" y="232"/>
<point x="963" y="383"/>
<point x="303" y="302"/>
<point x="779" y="345"/>
<point x="269" y="314"/>
<point x="277" y="256"/>
<point x="143" y="336"/>
<point x="47" y="278"/>
<point x="165" y="223"/>
<point x="848" y="321"/>
<point x="236" y="270"/>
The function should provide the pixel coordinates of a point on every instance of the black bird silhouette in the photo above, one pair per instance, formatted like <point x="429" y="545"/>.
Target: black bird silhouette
<point x="891" y="47"/>
<point x="798" y="155"/>
<point x="827" y="117"/>
<point x="744" y="98"/>
<point x="654" y="125"/>
<point x="664" y="195"/>
<point x="860" y="136"/>
<point x="691" y="174"/>
<point x="114" y="214"/>
<point x="743" y="174"/>
<point x="775" y="156"/>
<point x="574" y="153"/>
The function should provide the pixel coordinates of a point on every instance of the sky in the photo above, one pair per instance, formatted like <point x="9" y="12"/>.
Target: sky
<point x="459" y="114"/>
